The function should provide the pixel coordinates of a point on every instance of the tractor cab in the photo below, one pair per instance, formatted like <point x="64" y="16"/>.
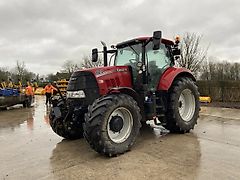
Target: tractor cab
<point x="148" y="69"/>
<point x="146" y="57"/>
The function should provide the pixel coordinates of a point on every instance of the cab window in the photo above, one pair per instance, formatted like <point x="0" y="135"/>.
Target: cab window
<point x="158" y="62"/>
<point x="128" y="55"/>
<point x="159" y="58"/>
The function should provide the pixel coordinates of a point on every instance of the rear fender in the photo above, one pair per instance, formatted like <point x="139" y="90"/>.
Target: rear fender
<point x="170" y="75"/>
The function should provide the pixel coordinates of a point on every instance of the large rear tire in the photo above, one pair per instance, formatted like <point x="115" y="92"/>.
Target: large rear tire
<point x="112" y="124"/>
<point x="183" y="105"/>
<point x="67" y="126"/>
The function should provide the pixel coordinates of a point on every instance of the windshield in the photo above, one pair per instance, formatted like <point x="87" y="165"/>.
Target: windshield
<point x="129" y="55"/>
<point x="158" y="62"/>
<point x="159" y="58"/>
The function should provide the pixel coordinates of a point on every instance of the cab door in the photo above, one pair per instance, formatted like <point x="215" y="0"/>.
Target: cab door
<point x="158" y="62"/>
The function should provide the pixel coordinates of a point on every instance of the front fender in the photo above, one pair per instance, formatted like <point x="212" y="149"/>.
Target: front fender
<point x="170" y="74"/>
<point x="125" y="90"/>
<point x="131" y="92"/>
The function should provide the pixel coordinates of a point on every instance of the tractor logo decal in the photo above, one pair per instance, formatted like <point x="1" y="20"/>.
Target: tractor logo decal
<point x="100" y="72"/>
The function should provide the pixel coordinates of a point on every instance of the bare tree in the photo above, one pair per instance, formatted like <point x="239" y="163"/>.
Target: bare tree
<point x="205" y="72"/>
<point x="4" y="74"/>
<point x="220" y="71"/>
<point x="20" y="70"/>
<point x="192" y="55"/>
<point x="236" y="70"/>
<point x="69" y="67"/>
<point x="87" y="62"/>
<point x="52" y="77"/>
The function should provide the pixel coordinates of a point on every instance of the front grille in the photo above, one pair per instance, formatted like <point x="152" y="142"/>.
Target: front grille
<point x="86" y="81"/>
<point x="82" y="80"/>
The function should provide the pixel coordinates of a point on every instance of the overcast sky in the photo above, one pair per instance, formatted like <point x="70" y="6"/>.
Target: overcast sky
<point x="45" y="33"/>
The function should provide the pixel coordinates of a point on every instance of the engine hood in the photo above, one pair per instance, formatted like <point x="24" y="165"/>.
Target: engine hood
<point x="111" y="77"/>
<point x="102" y="71"/>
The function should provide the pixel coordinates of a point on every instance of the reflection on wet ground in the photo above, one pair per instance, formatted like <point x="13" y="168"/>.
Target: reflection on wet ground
<point x="30" y="150"/>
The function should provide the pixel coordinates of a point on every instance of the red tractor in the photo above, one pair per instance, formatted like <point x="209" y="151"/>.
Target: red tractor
<point x="107" y="105"/>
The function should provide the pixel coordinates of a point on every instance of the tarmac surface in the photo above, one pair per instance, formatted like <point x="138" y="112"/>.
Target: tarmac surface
<point x="29" y="149"/>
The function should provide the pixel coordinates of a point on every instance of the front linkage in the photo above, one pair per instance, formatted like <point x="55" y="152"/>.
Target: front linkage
<point x="65" y="119"/>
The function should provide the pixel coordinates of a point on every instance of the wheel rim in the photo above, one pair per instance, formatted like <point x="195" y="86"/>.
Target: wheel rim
<point x="186" y="105"/>
<point x="127" y="119"/>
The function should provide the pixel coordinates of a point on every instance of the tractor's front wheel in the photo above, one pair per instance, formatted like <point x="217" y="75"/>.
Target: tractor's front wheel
<point x="183" y="105"/>
<point x="112" y="124"/>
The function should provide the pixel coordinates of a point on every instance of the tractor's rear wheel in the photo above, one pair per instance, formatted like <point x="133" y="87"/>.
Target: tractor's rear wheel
<point x="183" y="105"/>
<point x="112" y="124"/>
<point x="67" y="126"/>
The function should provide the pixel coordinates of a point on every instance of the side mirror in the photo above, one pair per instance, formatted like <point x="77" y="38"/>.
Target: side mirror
<point x="157" y="35"/>
<point x="94" y="55"/>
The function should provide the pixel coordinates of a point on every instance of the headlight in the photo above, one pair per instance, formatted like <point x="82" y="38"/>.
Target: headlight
<point x="76" y="94"/>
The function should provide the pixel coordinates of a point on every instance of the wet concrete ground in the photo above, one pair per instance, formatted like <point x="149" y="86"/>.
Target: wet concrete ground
<point x="29" y="149"/>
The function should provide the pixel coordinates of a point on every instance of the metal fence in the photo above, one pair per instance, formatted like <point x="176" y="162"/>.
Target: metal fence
<point x="222" y="91"/>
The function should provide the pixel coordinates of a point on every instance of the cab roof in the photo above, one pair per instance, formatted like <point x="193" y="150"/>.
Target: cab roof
<point x="142" y="39"/>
